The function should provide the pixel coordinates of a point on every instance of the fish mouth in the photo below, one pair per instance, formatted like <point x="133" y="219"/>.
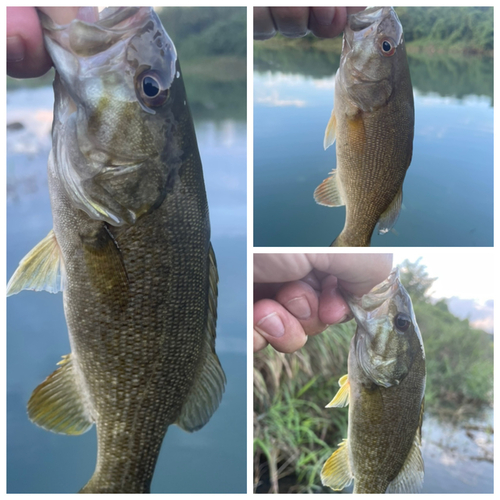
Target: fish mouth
<point x="372" y="21"/>
<point x="88" y="35"/>
<point x="100" y="45"/>
<point x="376" y="302"/>
<point x="360" y="21"/>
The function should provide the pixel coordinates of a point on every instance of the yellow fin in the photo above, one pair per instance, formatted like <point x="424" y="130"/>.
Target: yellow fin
<point x="341" y="399"/>
<point x="56" y="404"/>
<point x="40" y="269"/>
<point x="329" y="138"/>
<point x="336" y="472"/>
<point x="207" y="389"/>
<point x="328" y="193"/>
<point x="391" y="214"/>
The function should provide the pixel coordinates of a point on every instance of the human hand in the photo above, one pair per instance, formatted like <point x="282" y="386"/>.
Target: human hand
<point x="26" y="54"/>
<point x="296" y="295"/>
<point x="294" y="22"/>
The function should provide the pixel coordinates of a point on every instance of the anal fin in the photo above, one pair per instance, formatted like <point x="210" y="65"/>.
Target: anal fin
<point x="391" y="214"/>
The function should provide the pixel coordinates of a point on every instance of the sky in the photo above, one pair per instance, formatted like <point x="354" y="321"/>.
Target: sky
<point x="465" y="279"/>
<point x="461" y="273"/>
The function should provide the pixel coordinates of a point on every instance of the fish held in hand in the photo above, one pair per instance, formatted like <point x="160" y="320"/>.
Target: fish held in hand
<point x="372" y="124"/>
<point x="384" y="388"/>
<point x="130" y="247"/>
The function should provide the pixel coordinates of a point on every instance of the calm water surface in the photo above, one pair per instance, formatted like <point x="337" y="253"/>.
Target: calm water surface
<point x="211" y="460"/>
<point x="448" y="190"/>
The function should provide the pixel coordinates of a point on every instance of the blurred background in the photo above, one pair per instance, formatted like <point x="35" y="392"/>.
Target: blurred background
<point x="294" y="434"/>
<point x="211" y="45"/>
<point x="448" y="190"/>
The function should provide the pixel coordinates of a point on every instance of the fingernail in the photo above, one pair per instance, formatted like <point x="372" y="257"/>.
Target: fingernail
<point x="325" y="16"/>
<point x="299" y="307"/>
<point x="15" y="49"/>
<point x="271" y="325"/>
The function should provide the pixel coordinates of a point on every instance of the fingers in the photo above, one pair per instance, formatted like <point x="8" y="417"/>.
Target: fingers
<point x="294" y="22"/>
<point x="327" y="22"/>
<point x="302" y="302"/>
<point x="263" y="24"/>
<point x="333" y="308"/>
<point x="297" y="310"/>
<point x="275" y="325"/>
<point x="26" y="54"/>
<point x="357" y="273"/>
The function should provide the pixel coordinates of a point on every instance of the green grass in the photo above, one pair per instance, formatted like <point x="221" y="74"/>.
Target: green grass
<point x="294" y="433"/>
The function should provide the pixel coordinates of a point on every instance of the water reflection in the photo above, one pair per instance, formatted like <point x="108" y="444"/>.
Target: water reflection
<point x="446" y="202"/>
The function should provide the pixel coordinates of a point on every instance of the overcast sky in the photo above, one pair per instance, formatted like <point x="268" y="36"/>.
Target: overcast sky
<point x="463" y="274"/>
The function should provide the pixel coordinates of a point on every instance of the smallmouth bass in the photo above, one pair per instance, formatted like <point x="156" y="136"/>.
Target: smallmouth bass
<point x="372" y="124"/>
<point x="130" y="248"/>
<point x="384" y="389"/>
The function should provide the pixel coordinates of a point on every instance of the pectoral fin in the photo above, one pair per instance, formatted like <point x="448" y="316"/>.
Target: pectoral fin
<point x="207" y="390"/>
<point x="328" y="192"/>
<point x="330" y="131"/>
<point x="336" y="472"/>
<point x="341" y="399"/>
<point x="41" y="269"/>
<point x="56" y="404"/>
<point x="390" y="216"/>
<point x="104" y="263"/>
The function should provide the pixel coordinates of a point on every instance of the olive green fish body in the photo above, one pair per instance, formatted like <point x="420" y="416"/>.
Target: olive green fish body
<point x="372" y="125"/>
<point x="131" y="239"/>
<point x="385" y="391"/>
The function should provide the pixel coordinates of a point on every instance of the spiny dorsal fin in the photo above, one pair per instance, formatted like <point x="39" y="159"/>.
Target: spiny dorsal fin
<point x="341" y="399"/>
<point x="56" y="404"/>
<point x="41" y="269"/>
<point x="336" y="472"/>
<point x="390" y="216"/>
<point x="207" y="390"/>
<point x="330" y="131"/>
<point x="328" y="192"/>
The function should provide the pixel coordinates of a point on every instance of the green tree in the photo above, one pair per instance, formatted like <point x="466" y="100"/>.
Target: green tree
<point x="416" y="280"/>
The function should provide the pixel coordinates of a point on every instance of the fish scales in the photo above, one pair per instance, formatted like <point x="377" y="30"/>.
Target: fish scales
<point x="384" y="389"/>
<point x="372" y="124"/>
<point x="130" y="248"/>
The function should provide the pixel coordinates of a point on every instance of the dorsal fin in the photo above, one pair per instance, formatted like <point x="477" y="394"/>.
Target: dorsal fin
<point x="207" y="390"/>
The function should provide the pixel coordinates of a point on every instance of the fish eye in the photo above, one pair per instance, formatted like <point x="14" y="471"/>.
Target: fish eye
<point x="387" y="47"/>
<point x="150" y="86"/>
<point x="149" y="91"/>
<point x="402" y="322"/>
